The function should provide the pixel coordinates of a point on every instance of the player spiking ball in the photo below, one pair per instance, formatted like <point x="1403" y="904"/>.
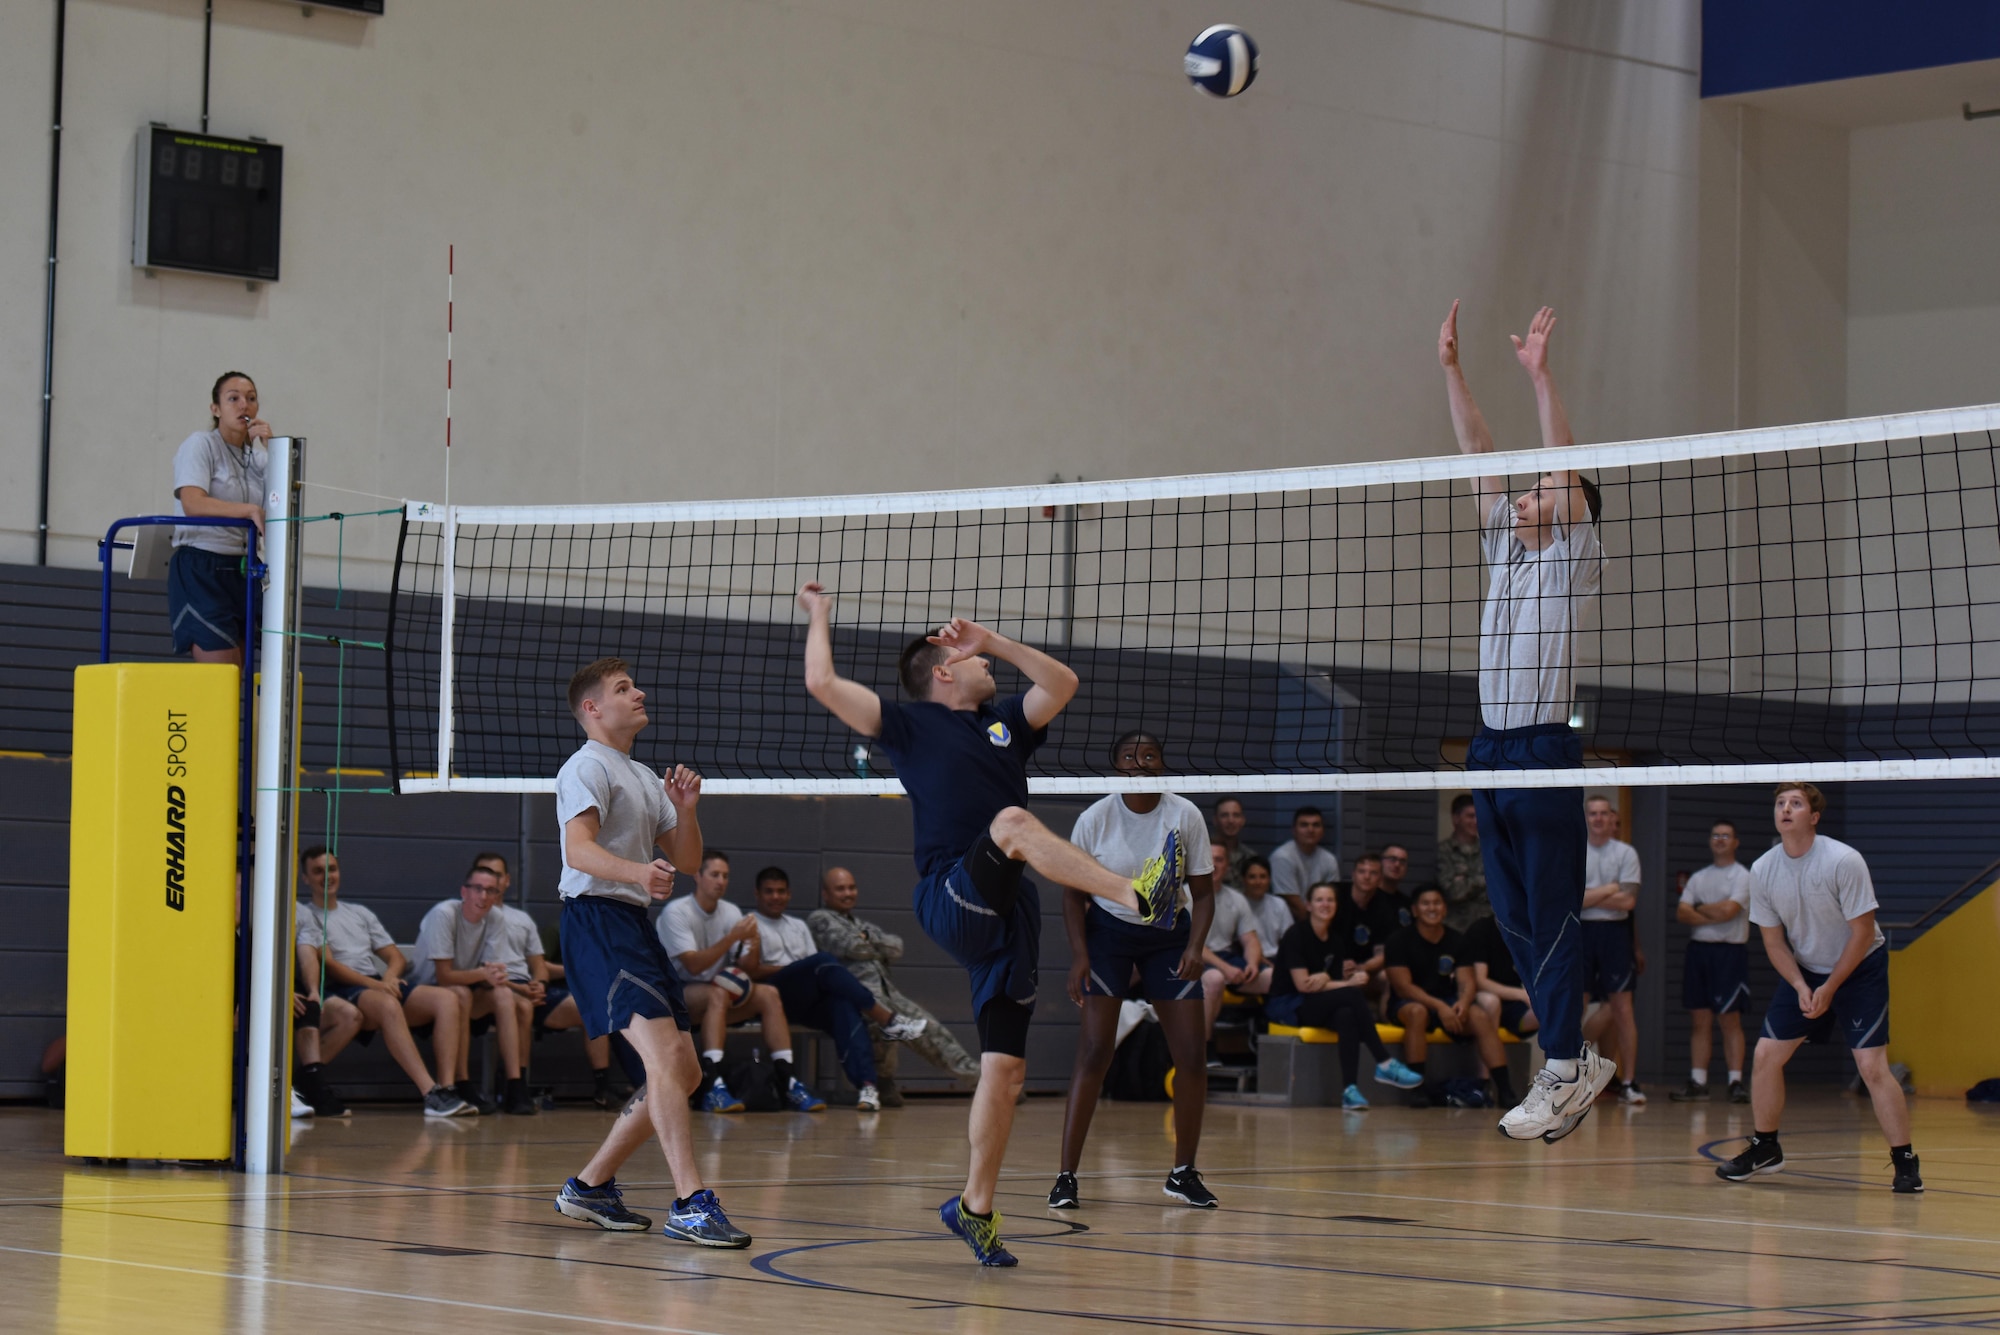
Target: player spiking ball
<point x="962" y="756"/>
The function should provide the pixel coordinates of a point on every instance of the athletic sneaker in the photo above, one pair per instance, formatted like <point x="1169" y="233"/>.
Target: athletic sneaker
<point x="800" y="1099"/>
<point x="982" y="1235"/>
<point x="603" y="1206"/>
<point x="904" y="1028"/>
<point x="1393" y="1072"/>
<point x="1738" y="1092"/>
<point x="519" y="1103"/>
<point x="870" y="1100"/>
<point x="469" y="1094"/>
<point x="300" y="1108"/>
<point x="1631" y="1095"/>
<point x="1555" y="1107"/>
<point x="1908" y="1181"/>
<point x="324" y="1100"/>
<point x="1062" y="1196"/>
<point x="1353" y="1100"/>
<point x="1159" y="884"/>
<point x="699" y="1219"/>
<point x="1184" y="1185"/>
<point x="1690" y="1093"/>
<point x="1762" y="1157"/>
<point x="441" y="1102"/>
<point x="719" y="1099"/>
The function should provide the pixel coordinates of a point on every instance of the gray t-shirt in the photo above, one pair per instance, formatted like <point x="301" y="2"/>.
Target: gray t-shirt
<point x="445" y="934"/>
<point x="1274" y="919"/>
<point x="1124" y="840"/>
<point x="352" y="935"/>
<point x="1615" y="861"/>
<point x="632" y="813"/>
<point x="1712" y="885"/>
<point x="208" y="461"/>
<point x="1294" y="872"/>
<point x="513" y="941"/>
<point x="784" y="940"/>
<point x="1527" y="627"/>
<point x="1813" y="898"/>
<point x="1233" y="920"/>
<point x="684" y="927"/>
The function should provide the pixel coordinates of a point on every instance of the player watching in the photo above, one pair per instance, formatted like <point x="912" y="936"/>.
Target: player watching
<point x="1546" y="566"/>
<point x="1300" y="863"/>
<point x="1110" y="945"/>
<point x="1715" y="984"/>
<point x="963" y="756"/>
<point x="1610" y="966"/>
<point x="456" y="949"/>
<point x="615" y="816"/>
<point x="1812" y="898"/>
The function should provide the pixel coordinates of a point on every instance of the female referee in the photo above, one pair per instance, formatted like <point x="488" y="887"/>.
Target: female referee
<point x="218" y="474"/>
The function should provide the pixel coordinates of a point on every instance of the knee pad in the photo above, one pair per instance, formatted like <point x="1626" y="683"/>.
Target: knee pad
<point x="1003" y="1027"/>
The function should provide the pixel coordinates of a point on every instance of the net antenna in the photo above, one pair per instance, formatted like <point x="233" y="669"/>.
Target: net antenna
<point x="1816" y="602"/>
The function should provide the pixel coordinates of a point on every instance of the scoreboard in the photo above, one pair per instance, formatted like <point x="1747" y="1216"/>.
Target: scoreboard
<point x="207" y="204"/>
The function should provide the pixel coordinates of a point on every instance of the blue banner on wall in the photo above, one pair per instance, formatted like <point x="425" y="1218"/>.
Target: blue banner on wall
<point x="1747" y="45"/>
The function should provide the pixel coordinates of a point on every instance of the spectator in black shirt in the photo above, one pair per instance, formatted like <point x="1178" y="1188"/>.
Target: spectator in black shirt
<point x="1500" y="992"/>
<point x="1318" y="984"/>
<point x="1369" y="915"/>
<point x="1431" y="975"/>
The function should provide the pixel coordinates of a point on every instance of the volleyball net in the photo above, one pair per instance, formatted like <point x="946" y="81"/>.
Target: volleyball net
<point x="1815" y="601"/>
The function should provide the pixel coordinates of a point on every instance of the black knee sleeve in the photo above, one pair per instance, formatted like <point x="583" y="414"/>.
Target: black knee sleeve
<point x="308" y="1018"/>
<point x="1003" y="1027"/>
<point x="995" y="876"/>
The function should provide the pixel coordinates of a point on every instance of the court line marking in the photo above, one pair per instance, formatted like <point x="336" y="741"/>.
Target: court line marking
<point x="358" y="1292"/>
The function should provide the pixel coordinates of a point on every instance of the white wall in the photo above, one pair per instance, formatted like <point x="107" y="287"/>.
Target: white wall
<point x="735" y="247"/>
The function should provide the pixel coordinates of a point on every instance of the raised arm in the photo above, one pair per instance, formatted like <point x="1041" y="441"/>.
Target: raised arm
<point x="1533" y="354"/>
<point x="1467" y="423"/>
<point x="850" y="702"/>
<point x="1054" y="682"/>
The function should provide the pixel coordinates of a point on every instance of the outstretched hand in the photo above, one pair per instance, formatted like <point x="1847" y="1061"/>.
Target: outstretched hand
<point x="1533" y="351"/>
<point x="683" y="788"/>
<point x="965" y="639"/>
<point x="1448" y="339"/>
<point x="814" y="599"/>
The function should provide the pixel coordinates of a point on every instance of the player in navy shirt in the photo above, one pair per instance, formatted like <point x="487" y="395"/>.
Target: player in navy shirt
<point x="962" y="756"/>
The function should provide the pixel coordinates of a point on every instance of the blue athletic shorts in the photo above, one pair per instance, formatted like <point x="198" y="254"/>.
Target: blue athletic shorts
<point x="1001" y="956"/>
<point x="616" y="967"/>
<point x="1607" y="958"/>
<point x="1717" y="977"/>
<point x="352" y="991"/>
<point x="1119" y="949"/>
<point x="1859" y="1014"/>
<point x="205" y="599"/>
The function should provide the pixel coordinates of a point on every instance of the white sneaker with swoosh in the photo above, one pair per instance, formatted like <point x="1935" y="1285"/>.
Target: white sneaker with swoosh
<point x="1554" y="1106"/>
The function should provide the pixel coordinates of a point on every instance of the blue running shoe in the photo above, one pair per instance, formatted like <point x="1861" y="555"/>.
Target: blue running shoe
<point x="720" y="1100"/>
<point x="982" y="1235"/>
<point x="699" y="1219"/>
<point x="1352" y="1100"/>
<point x="1393" y="1072"/>
<point x="603" y="1206"/>
<point x="1158" y="884"/>
<point x="800" y="1099"/>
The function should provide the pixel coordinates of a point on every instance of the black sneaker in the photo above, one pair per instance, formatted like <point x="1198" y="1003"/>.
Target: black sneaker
<point x="441" y="1102"/>
<point x="469" y="1095"/>
<point x="1908" y="1181"/>
<point x="1690" y="1093"/>
<point x="1062" y="1196"/>
<point x="1738" y="1092"/>
<point x="1761" y="1157"/>
<point x="1184" y="1185"/>
<point x="603" y="1206"/>
<point x="519" y="1103"/>
<point x="325" y="1100"/>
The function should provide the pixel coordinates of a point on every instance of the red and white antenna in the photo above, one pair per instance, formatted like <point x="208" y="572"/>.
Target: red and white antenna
<point x="450" y="256"/>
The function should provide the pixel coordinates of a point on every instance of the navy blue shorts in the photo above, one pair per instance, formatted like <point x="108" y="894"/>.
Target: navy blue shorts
<point x="205" y="600"/>
<point x="1119" y="949"/>
<point x="1512" y="1014"/>
<point x="1608" y="966"/>
<point x="1717" y="977"/>
<point x="1000" y="955"/>
<point x="616" y="967"/>
<point x="1859" y="1014"/>
<point x="351" y="992"/>
<point x="552" y="997"/>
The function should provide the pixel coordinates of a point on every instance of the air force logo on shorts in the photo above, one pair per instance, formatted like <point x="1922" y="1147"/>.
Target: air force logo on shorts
<point x="996" y="733"/>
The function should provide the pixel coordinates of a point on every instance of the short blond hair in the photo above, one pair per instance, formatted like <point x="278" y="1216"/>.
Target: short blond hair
<point x="1814" y="797"/>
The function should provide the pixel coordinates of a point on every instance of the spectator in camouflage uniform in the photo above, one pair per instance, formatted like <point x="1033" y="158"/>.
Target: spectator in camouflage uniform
<point x="1460" y="873"/>
<point x="1227" y="830"/>
<point x="868" y="951"/>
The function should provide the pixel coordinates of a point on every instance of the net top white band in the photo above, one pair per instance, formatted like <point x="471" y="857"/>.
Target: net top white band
<point x="1513" y="463"/>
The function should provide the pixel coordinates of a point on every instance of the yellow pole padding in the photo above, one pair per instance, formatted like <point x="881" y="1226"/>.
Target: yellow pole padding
<point x="1941" y="1000"/>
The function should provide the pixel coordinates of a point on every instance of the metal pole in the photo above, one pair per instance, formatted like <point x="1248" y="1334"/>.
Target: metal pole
<point x="49" y="306"/>
<point x="267" y="1084"/>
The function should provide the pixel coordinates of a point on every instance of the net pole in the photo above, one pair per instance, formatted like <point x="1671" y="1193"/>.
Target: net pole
<point x="448" y="608"/>
<point x="268" y="1009"/>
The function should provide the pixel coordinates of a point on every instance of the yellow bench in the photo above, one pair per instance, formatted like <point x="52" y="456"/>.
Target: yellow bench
<point x="1295" y="1068"/>
<point x="1390" y="1033"/>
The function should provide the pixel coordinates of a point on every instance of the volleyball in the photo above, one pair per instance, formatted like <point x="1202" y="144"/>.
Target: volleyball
<point x="1222" y="60"/>
<point x="735" y="983"/>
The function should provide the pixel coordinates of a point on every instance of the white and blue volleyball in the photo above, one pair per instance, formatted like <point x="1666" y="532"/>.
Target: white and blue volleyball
<point x="1222" y="61"/>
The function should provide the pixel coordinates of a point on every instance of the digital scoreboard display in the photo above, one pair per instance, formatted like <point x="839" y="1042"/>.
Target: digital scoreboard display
<point x="207" y="204"/>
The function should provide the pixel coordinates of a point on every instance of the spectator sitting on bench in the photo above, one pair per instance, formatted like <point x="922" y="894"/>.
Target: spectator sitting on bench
<point x="1317" y="984"/>
<point x="1498" y="982"/>
<point x="867" y="951"/>
<point x="558" y="1012"/>
<point x="1368" y="917"/>
<point x="1228" y="827"/>
<point x="818" y="990"/>
<point x="456" y="948"/>
<point x="705" y="934"/>
<point x="364" y="968"/>
<point x="1395" y="866"/>
<point x="1274" y="916"/>
<point x="1431" y="975"/>
<point x="1296" y="866"/>
<point x="1233" y="951"/>
<point x="516" y="944"/>
<point x="313" y="1015"/>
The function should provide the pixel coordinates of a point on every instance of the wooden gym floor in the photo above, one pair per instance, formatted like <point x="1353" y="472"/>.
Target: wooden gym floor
<point x="1393" y="1220"/>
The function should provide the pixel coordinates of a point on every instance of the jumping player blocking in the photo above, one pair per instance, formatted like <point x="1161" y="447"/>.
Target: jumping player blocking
<point x="614" y="816"/>
<point x="1546" y="565"/>
<point x="962" y="757"/>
